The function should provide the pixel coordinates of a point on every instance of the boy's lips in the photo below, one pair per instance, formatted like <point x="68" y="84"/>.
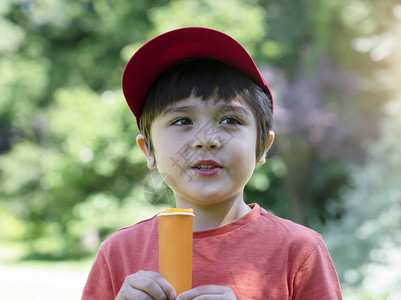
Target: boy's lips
<point x="206" y="167"/>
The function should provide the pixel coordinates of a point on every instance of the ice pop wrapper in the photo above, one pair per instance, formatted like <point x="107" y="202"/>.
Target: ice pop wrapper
<point x="175" y="247"/>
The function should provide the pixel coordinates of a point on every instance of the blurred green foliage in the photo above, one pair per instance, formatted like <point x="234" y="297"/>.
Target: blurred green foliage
<point x="366" y="242"/>
<point x="70" y="172"/>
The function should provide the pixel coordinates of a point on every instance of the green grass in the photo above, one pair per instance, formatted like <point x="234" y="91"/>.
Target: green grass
<point x="40" y="279"/>
<point x="14" y="254"/>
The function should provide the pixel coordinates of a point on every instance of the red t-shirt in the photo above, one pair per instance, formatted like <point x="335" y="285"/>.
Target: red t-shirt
<point x="259" y="256"/>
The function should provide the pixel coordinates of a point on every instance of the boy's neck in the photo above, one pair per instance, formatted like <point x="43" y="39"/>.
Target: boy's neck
<point x="216" y="215"/>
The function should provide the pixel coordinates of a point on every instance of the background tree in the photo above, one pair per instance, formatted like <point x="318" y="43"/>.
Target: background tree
<point x="68" y="139"/>
<point x="366" y="242"/>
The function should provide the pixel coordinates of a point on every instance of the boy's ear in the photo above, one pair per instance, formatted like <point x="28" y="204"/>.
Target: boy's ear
<point x="262" y="160"/>
<point x="142" y="144"/>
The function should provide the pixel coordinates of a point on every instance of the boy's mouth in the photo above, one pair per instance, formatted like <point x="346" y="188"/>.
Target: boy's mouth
<point x="206" y="164"/>
<point x="207" y="167"/>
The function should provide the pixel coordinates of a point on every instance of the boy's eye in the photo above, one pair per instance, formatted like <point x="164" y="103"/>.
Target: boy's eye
<point x="231" y="121"/>
<point x="182" y="121"/>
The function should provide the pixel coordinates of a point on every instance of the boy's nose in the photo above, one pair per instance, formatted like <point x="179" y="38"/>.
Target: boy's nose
<point x="207" y="140"/>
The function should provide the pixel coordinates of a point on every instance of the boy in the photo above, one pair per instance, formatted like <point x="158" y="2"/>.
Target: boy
<point x="205" y="116"/>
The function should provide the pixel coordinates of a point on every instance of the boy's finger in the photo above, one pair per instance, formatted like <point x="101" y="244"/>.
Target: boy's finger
<point x="130" y="294"/>
<point x="153" y="284"/>
<point x="208" y="292"/>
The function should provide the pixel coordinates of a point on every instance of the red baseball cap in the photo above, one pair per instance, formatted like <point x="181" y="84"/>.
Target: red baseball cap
<point x="149" y="62"/>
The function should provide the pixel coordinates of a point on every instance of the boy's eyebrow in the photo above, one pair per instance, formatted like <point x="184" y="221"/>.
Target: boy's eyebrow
<point x="173" y="109"/>
<point x="222" y="109"/>
<point x="235" y="109"/>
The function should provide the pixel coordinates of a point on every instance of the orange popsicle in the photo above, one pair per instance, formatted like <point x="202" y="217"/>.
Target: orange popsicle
<point x="175" y="247"/>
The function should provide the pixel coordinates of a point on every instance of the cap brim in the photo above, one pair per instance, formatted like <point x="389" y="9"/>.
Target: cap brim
<point x="147" y="64"/>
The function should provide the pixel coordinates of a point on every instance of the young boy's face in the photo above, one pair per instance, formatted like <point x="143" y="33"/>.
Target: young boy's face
<point x="205" y="150"/>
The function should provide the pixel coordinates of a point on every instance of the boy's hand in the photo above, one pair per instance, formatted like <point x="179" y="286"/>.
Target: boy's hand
<point x="208" y="292"/>
<point x="146" y="285"/>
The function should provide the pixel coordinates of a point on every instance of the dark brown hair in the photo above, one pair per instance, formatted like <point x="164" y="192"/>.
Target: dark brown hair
<point x="205" y="78"/>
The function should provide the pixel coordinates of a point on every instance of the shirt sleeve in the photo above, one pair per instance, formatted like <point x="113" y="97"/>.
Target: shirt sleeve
<point x="98" y="285"/>
<point x="317" y="277"/>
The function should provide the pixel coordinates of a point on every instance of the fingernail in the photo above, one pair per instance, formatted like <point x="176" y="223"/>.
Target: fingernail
<point x="172" y="295"/>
